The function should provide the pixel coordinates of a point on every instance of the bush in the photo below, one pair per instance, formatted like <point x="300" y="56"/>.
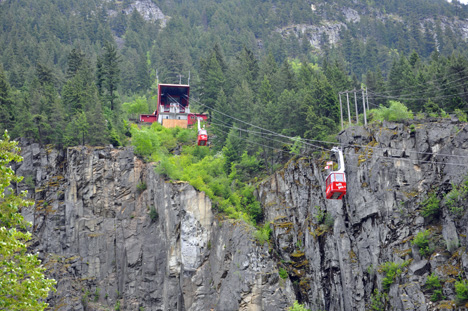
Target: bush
<point x="432" y="282"/>
<point x="431" y="206"/>
<point x="263" y="234"/>
<point x="455" y="198"/>
<point x="141" y="186"/>
<point x="461" y="289"/>
<point x="461" y="115"/>
<point x="422" y="241"/>
<point x="283" y="273"/>
<point x="392" y="271"/>
<point x="153" y="214"/>
<point x="396" y="112"/>
<point x="378" y="300"/>
<point x="297" y="307"/>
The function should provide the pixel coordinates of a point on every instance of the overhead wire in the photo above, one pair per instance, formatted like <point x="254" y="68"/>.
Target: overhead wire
<point x="305" y="141"/>
<point x="439" y="80"/>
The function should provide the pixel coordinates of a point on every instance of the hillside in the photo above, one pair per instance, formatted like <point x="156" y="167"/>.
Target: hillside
<point x="133" y="216"/>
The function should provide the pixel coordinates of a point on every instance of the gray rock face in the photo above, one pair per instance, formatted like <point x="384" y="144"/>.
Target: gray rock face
<point x="335" y="250"/>
<point x="148" y="10"/>
<point x="112" y="232"/>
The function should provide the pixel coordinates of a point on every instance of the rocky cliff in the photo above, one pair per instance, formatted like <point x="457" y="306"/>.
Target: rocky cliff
<point x="337" y="252"/>
<point x="116" y="235"/>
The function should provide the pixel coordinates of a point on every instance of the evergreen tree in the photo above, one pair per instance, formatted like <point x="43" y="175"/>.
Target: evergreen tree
<point x="221" y="124"/>
<point x="233" y="149"/>
<point x="213" y="80"/>
<point x="111" y="73"/>
<point x="75" y="62"/>
<point x="6" y="104"/>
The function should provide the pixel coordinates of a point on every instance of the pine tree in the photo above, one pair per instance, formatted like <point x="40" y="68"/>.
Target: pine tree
<point x="213" y="81"/>
<point x="6" y="104"/>
<point x="111" y="73"/>
<point x="233" y="149"/>
<point x="75" y="62"/>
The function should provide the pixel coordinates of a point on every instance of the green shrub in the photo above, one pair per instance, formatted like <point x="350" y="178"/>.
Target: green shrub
<point x="297" y="307"/>
<point x="396" y="112"/>
<point x="283" y="273"/>
<point x="378" y="300"/>
<point x="392" y="271"/>
<point x="431" y="206"/>
<point x="455" y="198"/>
<point x="461" y="115"/>
<point x="437" y="295"/>
<point x="153" y="213"/>
<point x="422" y="241"/>
<point x="461" y="289"/>
<point x="141" y="186"/>
<point x="323" y="217"/>
<point x="29" y="182"/>
<point x="262" y="234"/>
<point x="96" y="294"/>
<point x="432" y="282"/>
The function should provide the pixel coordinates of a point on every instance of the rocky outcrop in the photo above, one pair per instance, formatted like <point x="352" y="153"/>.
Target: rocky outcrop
<point x="148" y="10"/>
<point x="336" y="252"/>
<point x="313" y="33"/>
<point x="115" y="234"/>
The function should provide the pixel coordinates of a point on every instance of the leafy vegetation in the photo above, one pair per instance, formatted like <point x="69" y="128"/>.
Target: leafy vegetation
<point x="378" y="300"/>
<point x="456" y="197"/>
<point x="262" y="234"/>
<point x="203" y="168"/>
<point x="396" y="112"/>
<point x="422" y="240"/>
<point x="23" y="285"/>
<point x="461" y="289"/>
<point x="391" y="270"/>
<point x="283" y="273"/>
<point x="297" y="307"/>
<point x="153" y="213"/>
<point x="433" y="284"/>
<point x="431" y="206"/>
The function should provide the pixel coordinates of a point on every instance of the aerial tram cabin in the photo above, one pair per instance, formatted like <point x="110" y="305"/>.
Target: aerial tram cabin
<point x="202" y="137"/>
<point x="173" y="107"/>
<point x="336" y="180"/>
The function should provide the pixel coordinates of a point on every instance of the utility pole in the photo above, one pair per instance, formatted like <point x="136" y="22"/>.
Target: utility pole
<point x="364" y="107"/>
<point x="180" y="79"/>
<point x="341" y="112"/>
<point x="367" y="98"/>
<point x="355" y="105"/>
<point x="349" y="111"/>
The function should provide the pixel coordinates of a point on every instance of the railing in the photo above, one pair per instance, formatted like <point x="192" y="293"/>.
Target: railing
<point x="175" y="108"/>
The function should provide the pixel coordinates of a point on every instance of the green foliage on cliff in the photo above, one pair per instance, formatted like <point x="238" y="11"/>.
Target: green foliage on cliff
<point x="396" y="112"/>
<point x="179" y="158"/>
<point x="461" y="288"/>
<point x="23" y="285"/>
<point x="297" y="307"/>
<point x="431" y="206"/>
<point x="391" y="270"/>
<point x="433" y="284"/>
<point x="422" y="240"/>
